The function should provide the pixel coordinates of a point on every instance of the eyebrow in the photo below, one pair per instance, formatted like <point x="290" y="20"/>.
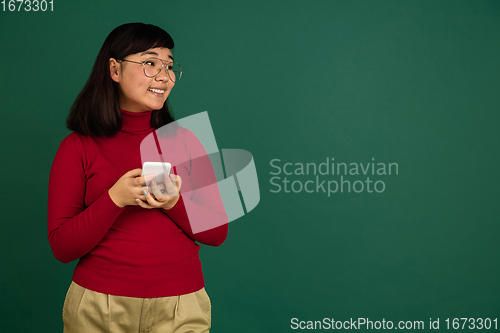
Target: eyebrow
<point x="156" y="54"/>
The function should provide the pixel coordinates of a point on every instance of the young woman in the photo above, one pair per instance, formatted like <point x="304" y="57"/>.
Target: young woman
<point x="139" y="268"/>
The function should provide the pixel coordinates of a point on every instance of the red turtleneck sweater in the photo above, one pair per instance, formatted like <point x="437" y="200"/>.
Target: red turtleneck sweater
<point x="129" y="251"/>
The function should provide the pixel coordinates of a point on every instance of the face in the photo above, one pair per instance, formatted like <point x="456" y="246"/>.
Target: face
<point x="139" y="93"/>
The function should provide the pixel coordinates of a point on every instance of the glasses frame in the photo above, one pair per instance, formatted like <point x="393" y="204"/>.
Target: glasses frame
<point x="163" y="63"/>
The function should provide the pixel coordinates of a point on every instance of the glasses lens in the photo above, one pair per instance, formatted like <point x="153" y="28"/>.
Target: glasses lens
<point x="152" y="67"/>
<point x="174" y="71"/>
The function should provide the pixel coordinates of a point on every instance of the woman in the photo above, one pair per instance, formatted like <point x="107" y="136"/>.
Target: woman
<point x="139" y="268"/>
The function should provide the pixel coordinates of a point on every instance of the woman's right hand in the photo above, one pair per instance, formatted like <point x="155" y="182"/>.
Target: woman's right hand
<point x="129" y="187"/>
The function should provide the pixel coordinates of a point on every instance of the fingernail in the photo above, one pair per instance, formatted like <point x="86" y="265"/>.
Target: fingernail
<point x="153" y="176"/>
<point x="153" y="182"/>
<point x="144" y="191"/>
<point x="172" y="177"/>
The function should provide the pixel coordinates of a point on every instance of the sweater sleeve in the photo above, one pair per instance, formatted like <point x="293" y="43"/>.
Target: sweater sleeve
<point x="200" y="212"/>
<point x="73" y="228"/>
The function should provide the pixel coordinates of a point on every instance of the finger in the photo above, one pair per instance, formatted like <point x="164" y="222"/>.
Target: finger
<point x="155" y="190"/>
<point x="142" y="194"/>
<point x="133" y="173"/>
<point x="178" y="180"/>
<point x="143" y="204"/>
<point x="158" y="192"/>
<point x="171" y="186"/>
<point x="151" y="201"/>
<point x="138" y="181"/>
<point x="169" y="180"/>
<point x="160" y="186"/>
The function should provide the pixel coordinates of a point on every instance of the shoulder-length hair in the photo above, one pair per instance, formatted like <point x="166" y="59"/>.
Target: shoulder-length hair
<point x="96" y="110"/>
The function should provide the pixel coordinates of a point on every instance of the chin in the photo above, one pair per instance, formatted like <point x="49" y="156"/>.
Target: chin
<point x="155" y="107"/>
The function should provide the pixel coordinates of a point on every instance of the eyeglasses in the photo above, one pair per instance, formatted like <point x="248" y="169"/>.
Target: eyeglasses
<point x="153" y="66"/>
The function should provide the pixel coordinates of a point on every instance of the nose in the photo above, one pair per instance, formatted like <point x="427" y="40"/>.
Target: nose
<point x="163" y="75"/>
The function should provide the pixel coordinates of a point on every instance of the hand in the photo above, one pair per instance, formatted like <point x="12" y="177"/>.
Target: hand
<point x="129" y="188"/>
<point x="163" y="196"/>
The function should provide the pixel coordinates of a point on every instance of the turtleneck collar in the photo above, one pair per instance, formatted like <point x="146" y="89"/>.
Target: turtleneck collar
<point x="136" y="122"/>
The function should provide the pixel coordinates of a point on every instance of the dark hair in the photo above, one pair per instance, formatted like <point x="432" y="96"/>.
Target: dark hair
<point x="96" y="110"/>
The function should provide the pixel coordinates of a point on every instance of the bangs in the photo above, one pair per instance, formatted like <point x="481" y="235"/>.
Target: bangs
<point x="138" y="38"/>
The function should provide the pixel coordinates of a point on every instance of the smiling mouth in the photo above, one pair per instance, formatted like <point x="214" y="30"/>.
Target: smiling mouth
<point x="158" y="91"/>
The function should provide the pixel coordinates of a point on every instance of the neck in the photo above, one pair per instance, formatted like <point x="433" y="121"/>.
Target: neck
<point x="136" y="122"/>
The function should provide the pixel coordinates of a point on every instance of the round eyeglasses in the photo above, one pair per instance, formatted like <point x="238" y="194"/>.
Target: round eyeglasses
<point x="153" y="66"/>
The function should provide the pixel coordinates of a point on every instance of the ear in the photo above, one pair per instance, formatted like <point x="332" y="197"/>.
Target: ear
<point x="114" y="70"/>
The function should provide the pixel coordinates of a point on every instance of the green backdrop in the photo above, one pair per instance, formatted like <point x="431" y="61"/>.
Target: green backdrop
<point x="409" y="82"/>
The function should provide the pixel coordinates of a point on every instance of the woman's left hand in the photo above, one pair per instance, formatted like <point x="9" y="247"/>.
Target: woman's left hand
<point x="163" y="196"/>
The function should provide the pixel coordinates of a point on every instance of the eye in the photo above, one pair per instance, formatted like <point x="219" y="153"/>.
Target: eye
<point x="170" y="66"/>
<point x="150" y="62"/>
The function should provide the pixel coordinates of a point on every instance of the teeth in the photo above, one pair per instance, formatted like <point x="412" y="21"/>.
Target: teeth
<point x="158" y="91"/>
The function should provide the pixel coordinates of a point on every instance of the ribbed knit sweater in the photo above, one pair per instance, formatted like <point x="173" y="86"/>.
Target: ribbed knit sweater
<point x="130" y="251"/>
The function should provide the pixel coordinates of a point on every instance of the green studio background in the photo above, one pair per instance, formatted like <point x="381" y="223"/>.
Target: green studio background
<point x="409" y="82"/>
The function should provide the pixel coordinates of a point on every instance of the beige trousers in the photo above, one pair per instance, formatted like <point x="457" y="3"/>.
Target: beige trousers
<point x="87" y="311"/>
